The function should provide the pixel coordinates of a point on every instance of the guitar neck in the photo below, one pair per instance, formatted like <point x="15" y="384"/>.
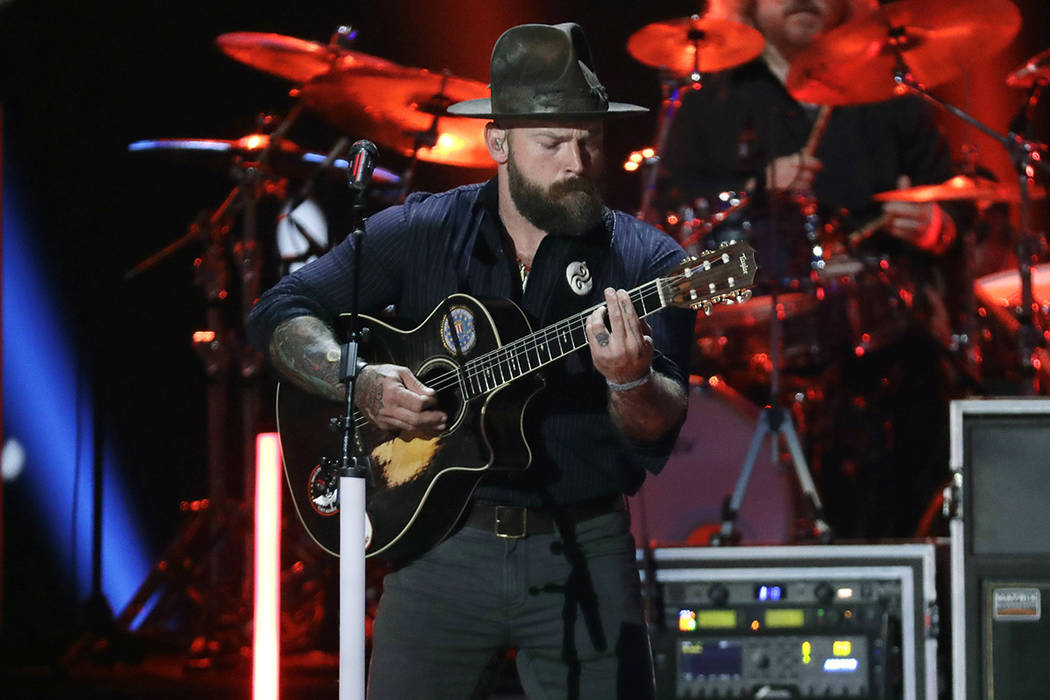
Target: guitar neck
<point x="532" y="352"/>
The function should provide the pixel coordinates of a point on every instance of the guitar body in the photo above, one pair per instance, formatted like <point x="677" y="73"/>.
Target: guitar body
<point x="418" y="486"/>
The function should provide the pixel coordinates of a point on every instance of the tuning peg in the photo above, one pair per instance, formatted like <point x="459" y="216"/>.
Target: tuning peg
<point x="743" y="295"/>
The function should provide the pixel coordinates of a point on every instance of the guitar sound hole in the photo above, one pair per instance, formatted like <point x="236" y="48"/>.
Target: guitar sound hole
<point x="441" y="373"/>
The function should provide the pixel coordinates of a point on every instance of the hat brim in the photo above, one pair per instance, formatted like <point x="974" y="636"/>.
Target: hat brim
<point x="482" y="109"/>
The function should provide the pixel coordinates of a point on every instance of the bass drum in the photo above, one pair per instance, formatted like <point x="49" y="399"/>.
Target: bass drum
<point x="686" y="497"/>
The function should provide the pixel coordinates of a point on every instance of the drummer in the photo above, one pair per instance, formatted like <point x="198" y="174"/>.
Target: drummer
<point x="866" y="148"/>
<point x="743" y="131"/>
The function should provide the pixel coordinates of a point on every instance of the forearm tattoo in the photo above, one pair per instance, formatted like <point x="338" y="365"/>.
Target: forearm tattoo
<point x="305" y="351"/>
<point x="370" y="391"/>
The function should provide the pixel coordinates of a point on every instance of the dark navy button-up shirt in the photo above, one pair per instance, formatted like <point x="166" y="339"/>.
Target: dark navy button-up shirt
<point x="415" y="254"/>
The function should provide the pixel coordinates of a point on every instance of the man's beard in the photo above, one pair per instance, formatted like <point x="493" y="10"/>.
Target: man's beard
<point x="570" y="208"/>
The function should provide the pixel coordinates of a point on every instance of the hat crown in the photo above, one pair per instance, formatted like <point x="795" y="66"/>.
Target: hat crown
<point x="543" y="71"/>
<point x="539" y="68"/>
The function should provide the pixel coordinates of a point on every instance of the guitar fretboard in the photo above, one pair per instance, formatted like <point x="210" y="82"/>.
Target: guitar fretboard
<point x="528" y="354"/>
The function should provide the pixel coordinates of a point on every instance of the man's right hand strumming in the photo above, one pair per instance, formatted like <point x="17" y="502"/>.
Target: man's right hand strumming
<point x="396" y="401"/>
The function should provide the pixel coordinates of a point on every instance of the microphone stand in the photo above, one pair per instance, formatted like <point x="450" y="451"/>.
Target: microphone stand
<point x="353" y="472"/>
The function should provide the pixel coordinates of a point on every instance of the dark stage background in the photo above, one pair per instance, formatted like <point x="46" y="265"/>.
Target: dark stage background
<point x="79" y="81"/>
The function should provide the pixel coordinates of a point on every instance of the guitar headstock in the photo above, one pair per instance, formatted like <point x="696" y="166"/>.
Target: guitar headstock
<point x="722" y="276"/>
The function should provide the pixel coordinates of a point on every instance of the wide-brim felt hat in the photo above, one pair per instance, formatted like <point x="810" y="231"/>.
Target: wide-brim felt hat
<point x="542" y="71"/>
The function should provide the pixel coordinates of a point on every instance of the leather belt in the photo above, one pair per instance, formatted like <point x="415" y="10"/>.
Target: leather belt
<point x="516" y="522"/>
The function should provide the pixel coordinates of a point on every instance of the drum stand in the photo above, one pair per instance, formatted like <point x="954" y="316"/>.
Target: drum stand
<point x="773" y="421"/>
<point x="776" y="422"/>
<point x="202" y="582"/>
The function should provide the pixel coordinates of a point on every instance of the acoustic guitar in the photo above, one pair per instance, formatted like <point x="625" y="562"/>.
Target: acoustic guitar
<point x="419" y="486"/>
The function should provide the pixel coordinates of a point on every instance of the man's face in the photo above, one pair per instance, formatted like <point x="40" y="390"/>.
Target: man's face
<point x="555" y="175"/>
<point x="792" y="25"/>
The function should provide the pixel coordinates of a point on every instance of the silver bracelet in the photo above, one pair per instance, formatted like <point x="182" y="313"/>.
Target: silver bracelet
<point x="630" y="385"/>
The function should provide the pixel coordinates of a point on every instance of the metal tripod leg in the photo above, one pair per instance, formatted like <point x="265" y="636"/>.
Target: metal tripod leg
<point x="773" y="421"/>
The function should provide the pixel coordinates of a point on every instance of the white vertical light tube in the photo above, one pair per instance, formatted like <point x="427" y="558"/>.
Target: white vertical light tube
<point x="267" y="618"/>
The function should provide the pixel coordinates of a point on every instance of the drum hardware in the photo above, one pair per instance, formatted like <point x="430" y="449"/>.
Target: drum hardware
<point x="934" y="39"/>
<point x="697" y="225"/>
<point x="961" y="188"/>
<point x="686" y="46"/>
<point x="287" y="160"/>
<point x="403" y="109"/>
<point x="716" y="435"/>
<point x="1034" y="73"/>
<point x="774" y="421"/>
<point x="215" y="542"/>
<point x="836" y="70"/>
<point x="1027" y="156"/>
<point x="299" y="60"/>
<point x="682" y="49"/>
<point x="357" y="93"/>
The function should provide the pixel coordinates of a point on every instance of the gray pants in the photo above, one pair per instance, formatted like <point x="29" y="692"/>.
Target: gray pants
<point x="569" y="603"/>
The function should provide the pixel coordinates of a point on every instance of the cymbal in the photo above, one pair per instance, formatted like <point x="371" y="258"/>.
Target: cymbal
<point x="1035" y="70"/>
<point x="401" y="107"/>
<point x="855" y="62"/>
<point x="369" y="96"/>
<point x="959" y="188"/>
<point x="286" y="159"/>
<point x="294" y="59"/>
<point x="689" y="44"/>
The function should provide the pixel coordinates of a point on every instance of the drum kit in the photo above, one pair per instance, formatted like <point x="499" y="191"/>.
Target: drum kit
<point x="778" y="347"/>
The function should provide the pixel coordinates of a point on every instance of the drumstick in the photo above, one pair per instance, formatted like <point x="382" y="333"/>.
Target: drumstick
<point x="819" y="126"/>
<point x="865" y="232"/>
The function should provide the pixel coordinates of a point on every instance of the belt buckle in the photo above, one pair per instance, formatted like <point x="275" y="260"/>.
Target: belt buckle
<point x="506" y="516"/>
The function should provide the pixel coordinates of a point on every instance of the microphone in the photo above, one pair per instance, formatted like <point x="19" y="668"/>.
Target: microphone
<point x="363" y="156"/>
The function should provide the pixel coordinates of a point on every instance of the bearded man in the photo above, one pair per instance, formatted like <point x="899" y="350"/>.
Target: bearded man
<point x="543" y="560"/>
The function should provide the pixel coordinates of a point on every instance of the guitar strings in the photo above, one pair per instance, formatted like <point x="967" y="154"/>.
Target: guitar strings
<point x="485" y="363"/>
